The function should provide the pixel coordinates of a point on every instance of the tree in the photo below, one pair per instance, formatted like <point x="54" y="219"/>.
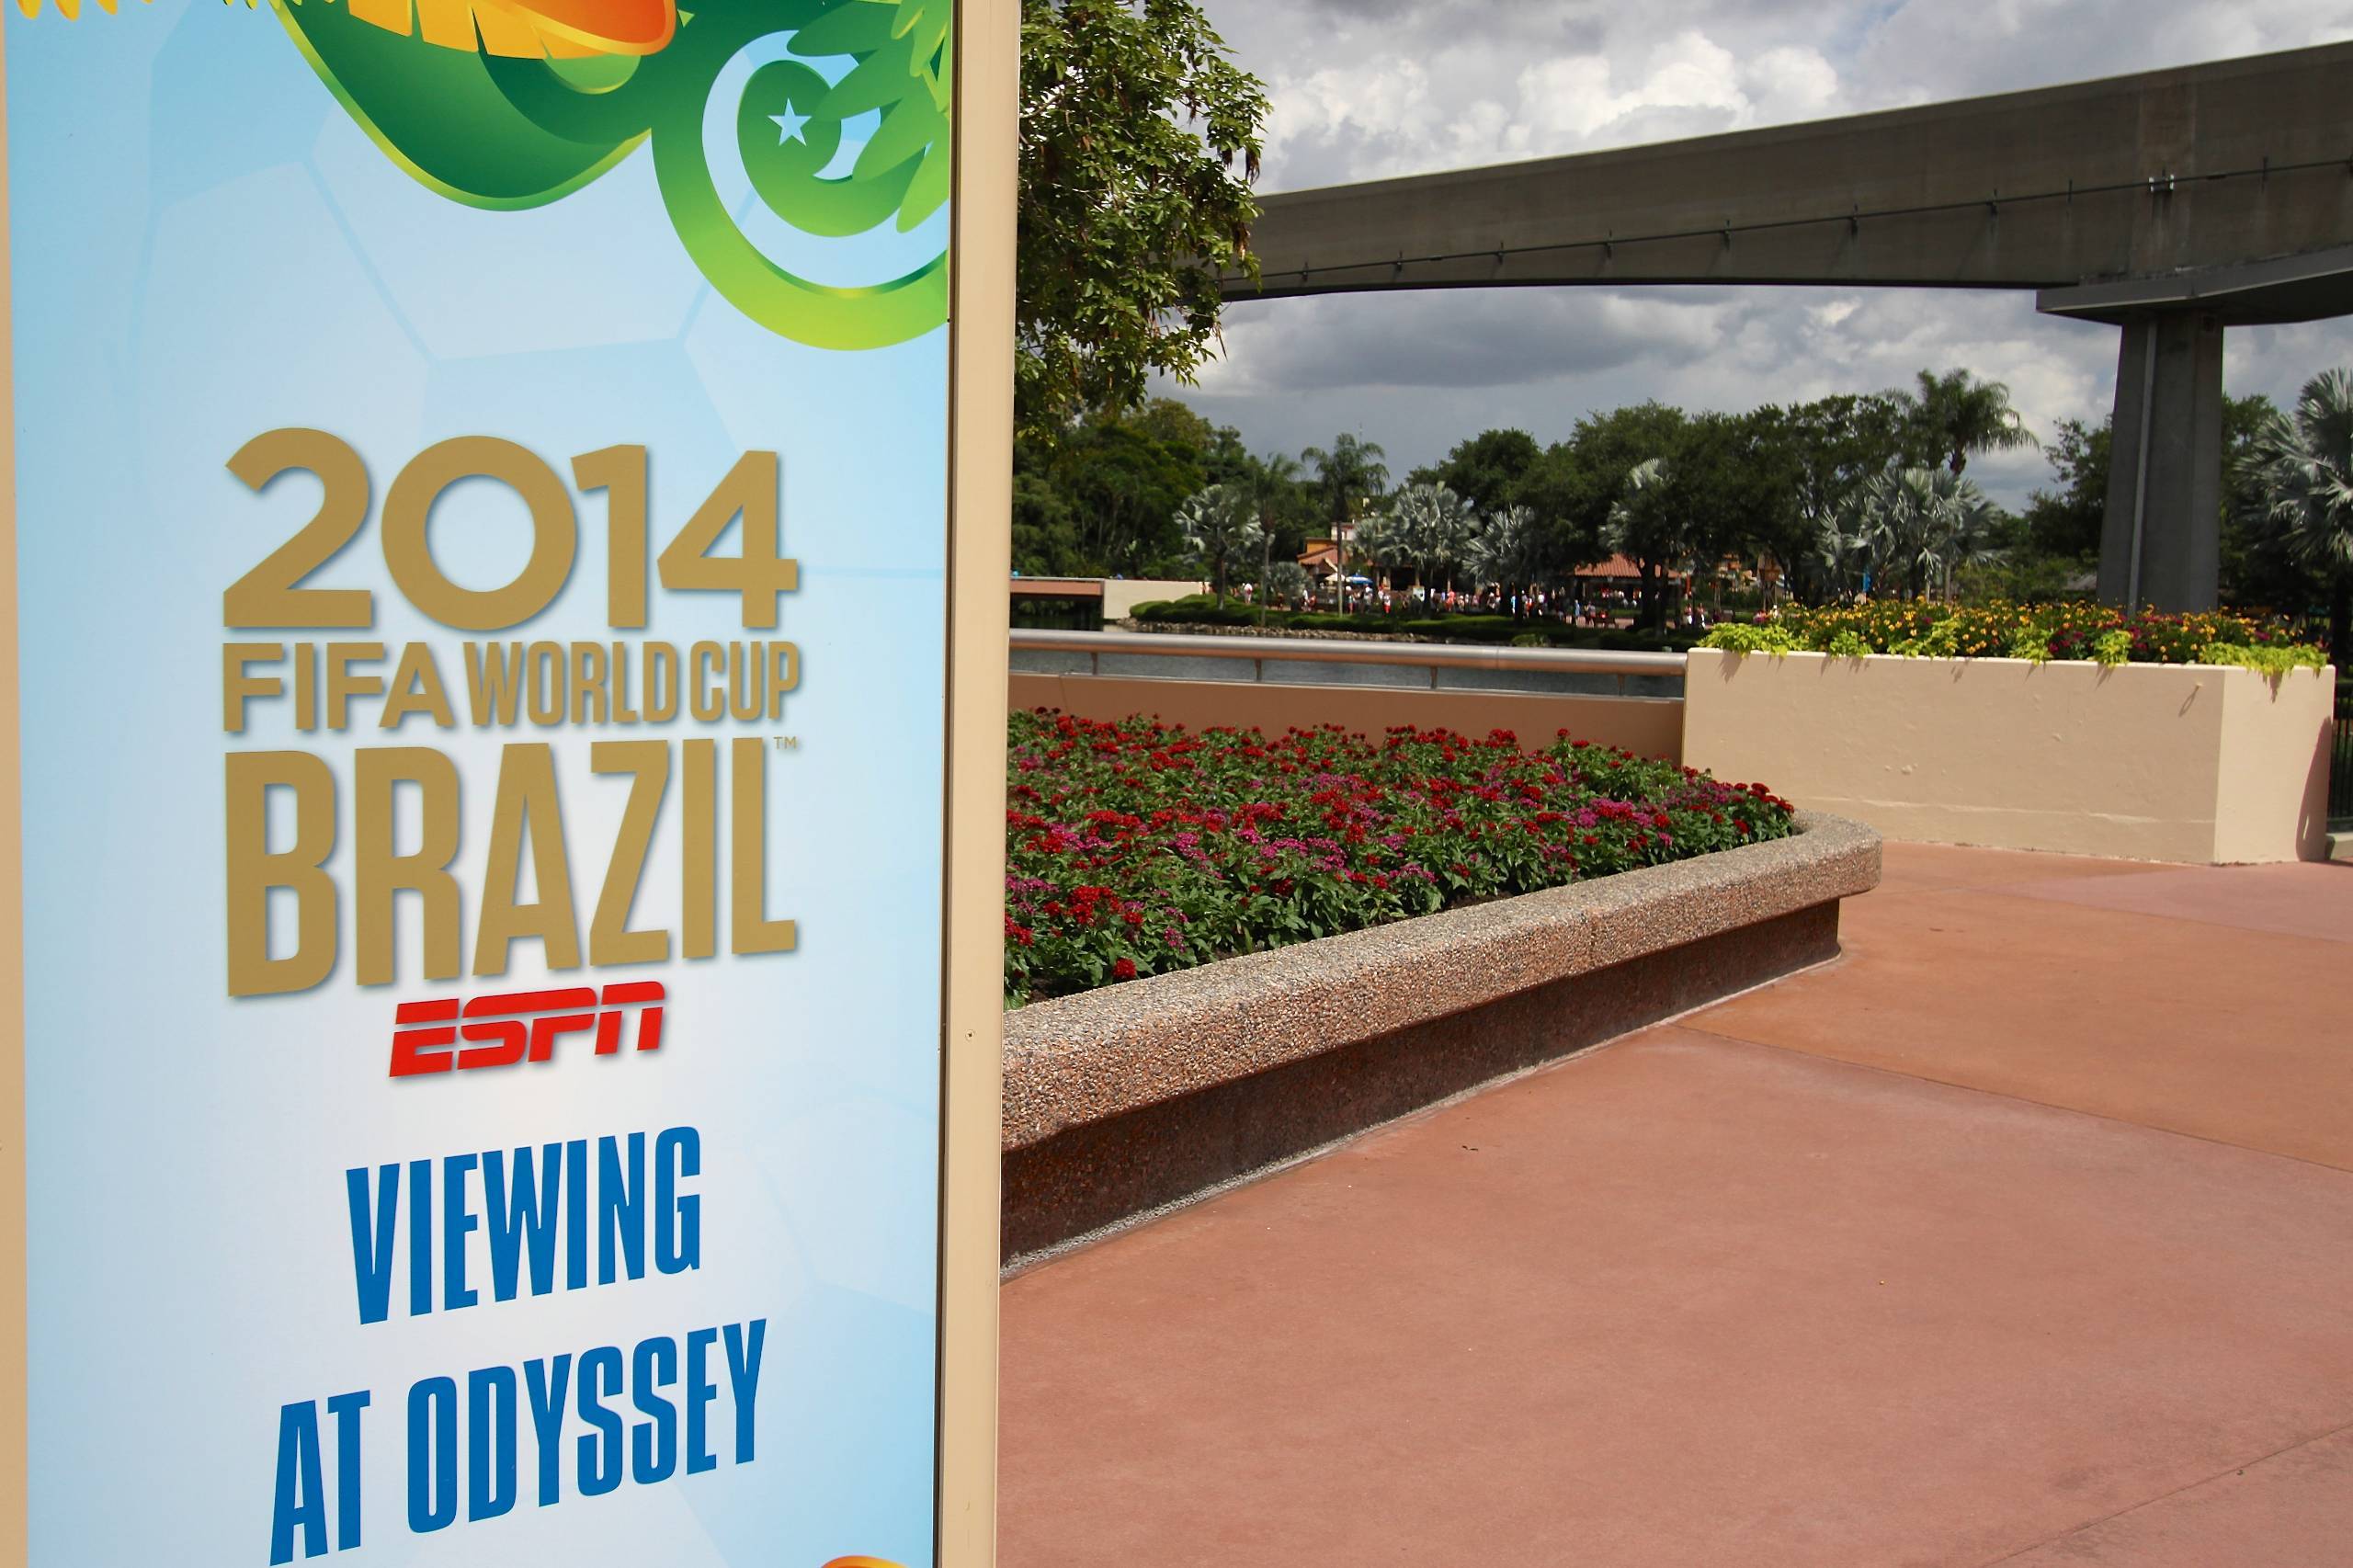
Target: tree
<point x="1915" y="525"/>
<point x="1954" y="415"/>
<point x="1506" y="553"/>
<point x="1351" y="476"/>
<point x="1270" y="482"/>
<point x="1124" y="477"/>
<point x="1384" y="543"/>
<point x="1350" y="473"/>
<point x="1824" y="451"/>
<point x="1139" y="141"/>
<point x="2067" y="521"/>
<point x="1487" y="469"/>
<point x="2306" y="495"/>
<point x="1434" y="526"/>
<point x="1045" y="535"/>
<point x="1577" y="481"/>
<point x="1285" y="580"/>
<point x="1219" y="527"/>
<point x="1736" y="485"/>
<point x="1646" y="526"/>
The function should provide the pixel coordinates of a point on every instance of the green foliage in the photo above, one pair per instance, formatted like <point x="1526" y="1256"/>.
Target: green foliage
<point x="1909" y="530"/>
<point x="1220" y="526"/>
<point x="1955" y="415"/>
<point x="2011" y="568"/>
<point x="1651" y="525"/>
<point x="1745" y="637"/>
<point x="2301" y="499"/>
<point x="1285" y="581"/>
<point x="1046" y="541"/>
<point x="1349" y="476"/>
<point x="1139" y="140"/>
<point x="1427" y="527"/>
<point x="1488" y="468"/>
<point x="1102" y="499"/>
<point x="1928" y="629"/>
<point x="2275" y="661"/>
<point x="2066" y="522"/>
<point x="1821" y="453"/>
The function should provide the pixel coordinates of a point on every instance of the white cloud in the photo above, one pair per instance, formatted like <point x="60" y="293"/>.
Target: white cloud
<point x="1368" y="88"/>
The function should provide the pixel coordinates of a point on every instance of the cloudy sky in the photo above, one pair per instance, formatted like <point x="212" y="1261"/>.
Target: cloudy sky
<point x="1366" y="88"/>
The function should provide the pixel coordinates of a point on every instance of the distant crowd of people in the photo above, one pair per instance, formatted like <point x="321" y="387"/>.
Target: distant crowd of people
<point x="1584" y="606"/>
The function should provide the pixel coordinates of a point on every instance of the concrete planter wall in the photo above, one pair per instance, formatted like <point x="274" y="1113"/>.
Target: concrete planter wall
<point x="1128" y="1099"/>
<point x="2154" y="762"/>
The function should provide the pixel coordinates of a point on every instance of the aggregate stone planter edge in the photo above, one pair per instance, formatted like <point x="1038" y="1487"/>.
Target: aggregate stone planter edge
<point x="1124" y="1098"/>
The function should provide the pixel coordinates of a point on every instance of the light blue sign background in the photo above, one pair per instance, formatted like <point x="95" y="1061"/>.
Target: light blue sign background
<point x="205" y="247"/>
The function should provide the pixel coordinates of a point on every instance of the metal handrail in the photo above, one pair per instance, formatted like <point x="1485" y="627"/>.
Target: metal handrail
<point x="1333" y="651"/>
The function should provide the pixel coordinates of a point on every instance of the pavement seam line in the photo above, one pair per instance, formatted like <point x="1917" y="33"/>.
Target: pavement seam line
<point x="1700" y="1028"/>
<point x="2238" y="1469"/>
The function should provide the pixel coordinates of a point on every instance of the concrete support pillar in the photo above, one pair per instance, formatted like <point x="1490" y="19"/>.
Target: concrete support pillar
<point x="2162" y="541"/>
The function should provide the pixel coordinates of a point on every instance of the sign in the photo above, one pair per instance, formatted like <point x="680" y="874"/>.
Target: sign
<point x="501" y="790"/>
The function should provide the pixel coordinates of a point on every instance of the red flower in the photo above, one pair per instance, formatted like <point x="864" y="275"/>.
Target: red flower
<point x="1124" y="970"/>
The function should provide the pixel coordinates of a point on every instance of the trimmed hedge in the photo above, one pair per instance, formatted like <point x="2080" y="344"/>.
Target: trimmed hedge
<point x="1200" y="609"/>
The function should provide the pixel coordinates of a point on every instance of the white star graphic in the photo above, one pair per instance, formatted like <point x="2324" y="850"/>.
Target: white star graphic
<point x="791" y="125"/>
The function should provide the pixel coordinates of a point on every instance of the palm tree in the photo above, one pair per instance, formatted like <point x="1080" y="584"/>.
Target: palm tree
<point x="1288" y="579"/>
<point x="1506" y="554"/>
<point x="1955" y="415"/>
<point x="1353" y="477"/>
<point x="1913" y="526"/>
<point x="2304" y="464"/>
<point x="1648" y="526"/>
<point x="1271" y="480"/>
<point x="1843" y="541"/>
<point x="1436" y="525"/>
<point x="1351" y="473"/>
<point x="1218" y="527"/>
<point x="1384" y="540"/>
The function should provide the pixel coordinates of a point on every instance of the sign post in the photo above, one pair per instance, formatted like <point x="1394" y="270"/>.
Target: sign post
<point x="502" y="672"/>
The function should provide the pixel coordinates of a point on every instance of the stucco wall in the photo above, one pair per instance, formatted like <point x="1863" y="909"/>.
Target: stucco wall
<point x="1646" y="726"/>
<point x="2152" y="762"/>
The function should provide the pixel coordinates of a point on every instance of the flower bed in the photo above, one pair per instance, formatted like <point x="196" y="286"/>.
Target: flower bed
<point x="2102" y="634"/>
<point x="1134" y="849"/>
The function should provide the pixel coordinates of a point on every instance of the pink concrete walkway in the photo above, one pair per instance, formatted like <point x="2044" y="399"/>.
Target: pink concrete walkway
<point x="2021" y="1234"/>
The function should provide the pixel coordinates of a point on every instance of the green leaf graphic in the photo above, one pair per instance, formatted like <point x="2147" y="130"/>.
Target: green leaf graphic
<point x="502" y="133"/>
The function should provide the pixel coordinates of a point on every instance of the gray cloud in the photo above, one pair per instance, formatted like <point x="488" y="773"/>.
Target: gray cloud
<point x="1364" y="88"/>
<point x="1458" y="338"/>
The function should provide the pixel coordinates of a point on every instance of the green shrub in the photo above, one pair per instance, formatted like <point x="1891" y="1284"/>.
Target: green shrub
<point x="1743" y="638"/>
<point x="2274" y="661"/>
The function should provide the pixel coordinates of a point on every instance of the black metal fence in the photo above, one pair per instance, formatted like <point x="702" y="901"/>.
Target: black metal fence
<point x="2340" y="771"/>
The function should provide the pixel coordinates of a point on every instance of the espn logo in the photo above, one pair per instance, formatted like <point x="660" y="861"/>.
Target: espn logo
<point x="521" y="1025"/>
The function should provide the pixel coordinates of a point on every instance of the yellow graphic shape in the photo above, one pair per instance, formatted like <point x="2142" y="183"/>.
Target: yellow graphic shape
<point x="860" y="1562"/>
<point x="522" y="29"/>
